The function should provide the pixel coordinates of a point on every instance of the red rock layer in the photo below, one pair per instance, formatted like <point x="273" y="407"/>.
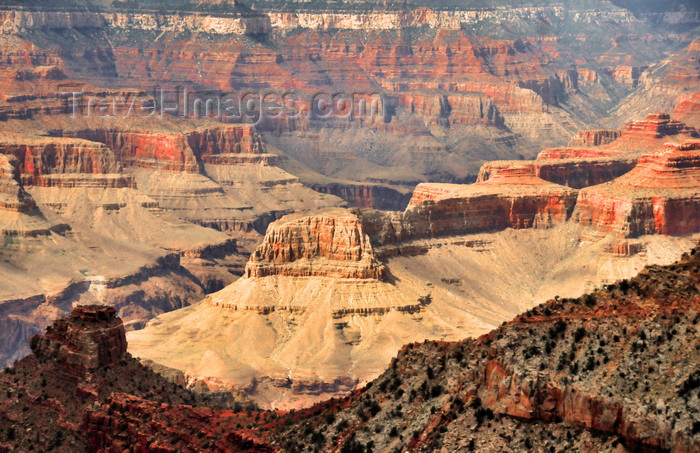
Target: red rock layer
<point x="512" y="197"/>
<point x="651" y="132"/>
<point x="127" y="422"/>
<point x="91" y="338"/>
<point x="174" y="150"/>
<point x="499" y="76"/>
<point x="659" y="196"/>
<point x="331" y="244"/>
<point x="596" y="157"/>
<point x="688" y="108"/>
<point x="41" y="157"/>
<point x="656" y="125"/>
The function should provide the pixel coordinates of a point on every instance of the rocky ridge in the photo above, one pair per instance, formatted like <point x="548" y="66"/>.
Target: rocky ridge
<point x="77" y="378"/>
<point x="610" y="371"/>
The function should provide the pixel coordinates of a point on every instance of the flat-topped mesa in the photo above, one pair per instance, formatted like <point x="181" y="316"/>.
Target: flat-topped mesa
<point x="330" y="244"/>
<point x="512" y="197"/>
<point x="91" y="338"/>
<point x="659" y="196"/>
<point x="41" y="158"/>
<point x="174" y="151"/>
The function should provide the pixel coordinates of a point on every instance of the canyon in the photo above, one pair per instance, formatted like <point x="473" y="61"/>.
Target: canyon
<point x="481" y="162"/>
<point x="310" y="317"/>
<point x="555" y="376"/>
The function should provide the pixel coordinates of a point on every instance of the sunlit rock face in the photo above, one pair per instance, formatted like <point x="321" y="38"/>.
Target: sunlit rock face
<point x="659" y="196"/>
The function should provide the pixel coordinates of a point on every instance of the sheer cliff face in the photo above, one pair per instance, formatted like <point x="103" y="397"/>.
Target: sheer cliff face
<point x="512" y="197"/>
<point x="660" y="195"/>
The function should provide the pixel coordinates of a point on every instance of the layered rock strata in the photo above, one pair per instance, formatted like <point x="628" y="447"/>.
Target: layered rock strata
<point x="512" y="197"/>
<point x="175" y="151"/>
<point x="332" y="245"/>
<point x="596" y="157"/>
<point x="659" y="196"/>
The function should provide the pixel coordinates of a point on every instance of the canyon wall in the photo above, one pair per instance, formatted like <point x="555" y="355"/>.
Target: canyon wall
<point x="512" y="197"/>
<point x="659" y="196"/>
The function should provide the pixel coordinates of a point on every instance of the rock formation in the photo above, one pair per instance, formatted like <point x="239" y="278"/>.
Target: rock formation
<point x="92" y="338"/>
<point x="597" y="373"/>
<point x="659" y="196"/>
<point x="81" y="384"/>
<point x="511" y="197"/>
<point x="14" y="197"/>
<point x="324" y="245"/>
<point x="19" y="214"/>
<point x="175" y="151"/>
<point x="582" y="164"/>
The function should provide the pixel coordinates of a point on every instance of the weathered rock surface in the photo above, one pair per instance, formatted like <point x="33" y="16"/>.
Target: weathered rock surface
<point x="330" y="245"/>
<point x="511" y="197"/>
<point x="80" y="390"/>
<point x="596" y="137"/>
<point x="659" y="196"/>
<point x="610" y="371"/>
<point x="582" y="164"/>
<point x="14" y="197"/>
<point x="178" y="151"/>
<point x="92" y="338"/>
